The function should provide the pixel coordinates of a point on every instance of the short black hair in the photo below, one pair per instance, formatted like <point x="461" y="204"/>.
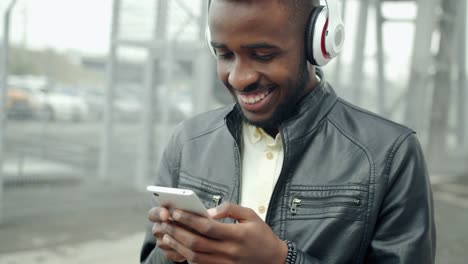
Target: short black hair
<point x="299" y="9"/>
<point x="299" y="6"/>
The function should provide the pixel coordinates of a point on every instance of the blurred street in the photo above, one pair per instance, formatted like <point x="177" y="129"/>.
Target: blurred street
<point x="73" y="224"/>
<point x="101" y="223"/>
<point x="70" y="151"/>
<point x="55" y="207"/>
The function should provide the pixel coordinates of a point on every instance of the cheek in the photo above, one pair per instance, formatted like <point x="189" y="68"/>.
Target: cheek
<point x="282" y="76"/>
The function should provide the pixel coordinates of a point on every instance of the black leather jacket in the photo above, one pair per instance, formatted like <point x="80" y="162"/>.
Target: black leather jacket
<point x="353" y="188"/>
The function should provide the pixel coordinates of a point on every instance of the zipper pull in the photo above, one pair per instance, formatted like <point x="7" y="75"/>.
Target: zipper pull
<point x="357" y="202"/>
<point x="217" y="199"/>
<point x="294" y="204"/>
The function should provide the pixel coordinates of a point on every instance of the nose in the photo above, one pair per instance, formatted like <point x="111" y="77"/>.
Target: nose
<point x="242" y="75"/>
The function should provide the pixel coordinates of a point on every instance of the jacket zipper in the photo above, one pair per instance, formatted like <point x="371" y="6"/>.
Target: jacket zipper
<point x="216" y="198"/>
<point x="234" y="131"/>
<point x="275" y="189"/>
<point x="239" y="174"/>
<point x="323" y="202"/>
<point x="213" y="197"/>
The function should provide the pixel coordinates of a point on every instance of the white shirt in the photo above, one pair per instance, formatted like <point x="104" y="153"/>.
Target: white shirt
<point x="262" y="160"/>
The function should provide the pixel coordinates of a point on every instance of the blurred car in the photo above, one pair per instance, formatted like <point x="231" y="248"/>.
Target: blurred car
<point x="178" y="102"/>
<point x="127" y="109"/>
<point x="94" y="97"/>
<point x="128" y="103"/>
<point x="18" y="104"/>
<point x="63" y="103"/>
<point x="129" y="106"/>
<point x="49" y="102"/>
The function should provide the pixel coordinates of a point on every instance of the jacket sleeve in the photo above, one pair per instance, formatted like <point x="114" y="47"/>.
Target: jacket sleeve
<point x="167" y="176"/>
<point x="405" y="231"/>
<point x="303" y="258"/>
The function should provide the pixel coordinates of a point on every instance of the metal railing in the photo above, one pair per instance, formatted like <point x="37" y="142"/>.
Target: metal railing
<point x="3" y="91"/>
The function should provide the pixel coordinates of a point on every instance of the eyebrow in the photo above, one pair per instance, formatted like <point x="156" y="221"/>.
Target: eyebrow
<point x="248" y="46"/>
<point x="260" y="46"/>
<point x="218" y="45"/>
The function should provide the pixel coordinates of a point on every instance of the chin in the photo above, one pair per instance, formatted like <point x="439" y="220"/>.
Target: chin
<point x="268" y="120"/>
<point x="265" y="122"/>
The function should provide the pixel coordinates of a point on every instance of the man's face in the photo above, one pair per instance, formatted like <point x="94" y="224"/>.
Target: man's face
<point x="260" y="58"/>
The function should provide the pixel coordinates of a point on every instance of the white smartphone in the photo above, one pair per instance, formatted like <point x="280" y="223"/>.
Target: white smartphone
<point x="175" y="198"/>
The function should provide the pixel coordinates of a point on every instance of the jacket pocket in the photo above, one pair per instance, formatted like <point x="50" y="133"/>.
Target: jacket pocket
<point x="210" y="193"/>
<point x="344" y="201"/>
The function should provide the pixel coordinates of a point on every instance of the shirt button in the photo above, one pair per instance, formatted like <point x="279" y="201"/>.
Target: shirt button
<point x="269" y="155"/>
<point x="262" y="209"/>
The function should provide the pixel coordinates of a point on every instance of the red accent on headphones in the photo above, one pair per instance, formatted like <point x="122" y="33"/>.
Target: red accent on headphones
<point x="324" y="49"/>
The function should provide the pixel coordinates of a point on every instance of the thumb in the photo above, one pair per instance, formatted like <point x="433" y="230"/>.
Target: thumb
<point x="233" y="211"/>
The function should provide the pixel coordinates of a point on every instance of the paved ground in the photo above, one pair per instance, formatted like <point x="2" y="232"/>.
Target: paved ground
<point x="78" y="223"/>
<point x="83" y="223"/>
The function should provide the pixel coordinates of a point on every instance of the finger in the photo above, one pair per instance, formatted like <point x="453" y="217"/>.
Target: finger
<point x="157" y="230"/>
<point x="169" y="252"/>
<point x="158" y="214"/>
<point x="160" y="243"/>
<point x="234" y="211"/>
<point x="202" y="225"/>
<point x="173" y="256"/>
<point x="190" y="256"/>
<point x="196" y="257"/>
<point x="193" y="241"/>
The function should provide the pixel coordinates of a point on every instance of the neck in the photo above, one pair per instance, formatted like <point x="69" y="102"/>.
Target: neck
<point x="313" y="81"/>
<point x="272" y="131"/>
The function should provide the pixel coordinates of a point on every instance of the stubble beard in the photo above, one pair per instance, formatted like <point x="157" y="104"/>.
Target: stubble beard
<point x="286" y="109"/>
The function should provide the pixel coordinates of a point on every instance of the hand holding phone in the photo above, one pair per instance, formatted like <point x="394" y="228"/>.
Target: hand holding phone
<point x="175" y="198"/>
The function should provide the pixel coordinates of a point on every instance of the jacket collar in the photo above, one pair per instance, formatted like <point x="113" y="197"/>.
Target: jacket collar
<point x="311" y="109"/>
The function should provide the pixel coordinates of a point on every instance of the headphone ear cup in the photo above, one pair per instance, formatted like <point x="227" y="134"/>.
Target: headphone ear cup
<point x="208" y="40"/>
<point x="312" y="33"/>
<point x="208" y="34"/>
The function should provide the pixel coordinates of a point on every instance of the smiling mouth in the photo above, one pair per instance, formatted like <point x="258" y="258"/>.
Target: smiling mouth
<point x="254" y="97"/>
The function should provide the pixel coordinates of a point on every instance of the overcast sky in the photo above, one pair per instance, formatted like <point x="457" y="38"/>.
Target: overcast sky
<point x="63" y="24"/>
<point x="84" y="26"/>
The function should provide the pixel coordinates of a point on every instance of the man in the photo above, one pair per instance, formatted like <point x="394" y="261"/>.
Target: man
<point x="304" y="176"/>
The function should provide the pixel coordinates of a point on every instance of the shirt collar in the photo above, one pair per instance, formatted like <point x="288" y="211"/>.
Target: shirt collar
<point x="257" y="134"/>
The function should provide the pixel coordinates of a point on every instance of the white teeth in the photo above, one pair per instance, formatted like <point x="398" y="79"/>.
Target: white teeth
<point x="253" y="99"/>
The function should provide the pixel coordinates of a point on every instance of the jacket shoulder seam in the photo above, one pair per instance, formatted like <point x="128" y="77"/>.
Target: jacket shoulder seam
<point x="351" y="138"/>
<point x="203" y="133"/>
<point x="371" y="184"/>
<point x="188" y="139"/>
<point x="392" y="154"/>
<point x="347" y="104"/>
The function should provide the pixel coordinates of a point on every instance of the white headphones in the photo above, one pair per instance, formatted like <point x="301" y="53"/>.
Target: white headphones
<point x="325" y="34"/>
